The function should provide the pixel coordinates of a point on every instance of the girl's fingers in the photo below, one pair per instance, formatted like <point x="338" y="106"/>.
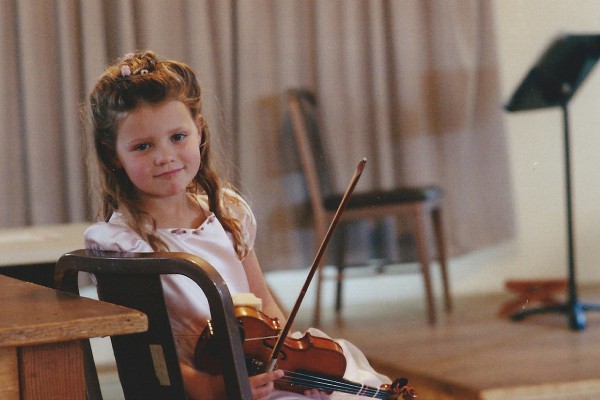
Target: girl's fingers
<point x="262" y="385"/>
<point x="316" y="394"/>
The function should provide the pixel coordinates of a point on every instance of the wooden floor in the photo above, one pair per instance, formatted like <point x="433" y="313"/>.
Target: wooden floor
<point x="472" y="353"/>
<point x="475" y="354"/>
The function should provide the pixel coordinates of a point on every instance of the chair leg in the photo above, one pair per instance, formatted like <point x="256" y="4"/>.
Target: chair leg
<point x="338" y="296"/>
<point x="317" y="315"/>
<point x="320" y="230"/>
<point x="423" y="254"/>
<point x="438" y="227"/>
<point x="93" y="391"/>
<point x="339" y="262"/>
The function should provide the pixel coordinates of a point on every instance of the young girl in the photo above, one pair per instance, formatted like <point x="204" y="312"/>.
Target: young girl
<point x="160" y="192"/>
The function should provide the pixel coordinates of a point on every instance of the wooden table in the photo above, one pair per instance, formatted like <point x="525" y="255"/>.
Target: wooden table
<point x="29" y="253"/>
<point x="41" y="356"/>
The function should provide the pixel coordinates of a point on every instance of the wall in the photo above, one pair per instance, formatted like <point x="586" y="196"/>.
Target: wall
<point x="536" y="148"/>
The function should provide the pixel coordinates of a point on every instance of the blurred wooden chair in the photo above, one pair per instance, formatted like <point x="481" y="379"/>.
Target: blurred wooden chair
<point x="421" y="204"/>
<point x="147" y="362"/>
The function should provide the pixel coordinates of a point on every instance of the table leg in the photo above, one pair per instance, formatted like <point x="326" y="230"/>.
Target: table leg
<point x="9" y="376"/>
<point x="52" y="371"/>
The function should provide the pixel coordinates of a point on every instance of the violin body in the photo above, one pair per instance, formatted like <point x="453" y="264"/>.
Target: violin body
<point x="308" y="362"/>
<point x="308" y="354"/>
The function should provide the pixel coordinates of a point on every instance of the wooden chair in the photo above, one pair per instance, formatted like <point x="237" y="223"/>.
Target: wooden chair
<point x="422" y="204"/>
<point x="147" y="362"/>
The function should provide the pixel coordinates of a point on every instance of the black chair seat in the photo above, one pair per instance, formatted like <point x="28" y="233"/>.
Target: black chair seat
<point x="385" y="197"/>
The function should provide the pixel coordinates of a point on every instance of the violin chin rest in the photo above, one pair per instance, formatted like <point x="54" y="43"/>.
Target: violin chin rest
<point x="247" y="300"/>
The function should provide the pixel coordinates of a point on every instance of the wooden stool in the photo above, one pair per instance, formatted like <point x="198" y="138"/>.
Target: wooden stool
<point x="538" y="292"/>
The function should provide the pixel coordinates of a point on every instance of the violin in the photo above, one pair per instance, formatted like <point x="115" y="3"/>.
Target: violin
<point x="308" y="362"/>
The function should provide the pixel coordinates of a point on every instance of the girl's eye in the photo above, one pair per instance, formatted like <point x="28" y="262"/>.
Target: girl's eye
<point x="141" y="147"/>
<point x="178" y="137"/>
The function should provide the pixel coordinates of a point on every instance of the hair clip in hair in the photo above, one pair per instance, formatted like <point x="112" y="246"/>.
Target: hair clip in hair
<point x="125" y="71"/>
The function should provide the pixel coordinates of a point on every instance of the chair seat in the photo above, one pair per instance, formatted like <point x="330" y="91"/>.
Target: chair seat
<point x="384" y="197"/>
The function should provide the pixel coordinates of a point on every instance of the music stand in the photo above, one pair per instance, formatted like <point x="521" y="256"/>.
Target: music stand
<point x="552" y="82"/>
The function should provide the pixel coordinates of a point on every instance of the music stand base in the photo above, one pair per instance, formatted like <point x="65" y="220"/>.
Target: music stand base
<point x="575" y="310"/>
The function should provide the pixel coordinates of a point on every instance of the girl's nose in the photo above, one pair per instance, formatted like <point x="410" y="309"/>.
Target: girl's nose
<point x="163" y="156"/>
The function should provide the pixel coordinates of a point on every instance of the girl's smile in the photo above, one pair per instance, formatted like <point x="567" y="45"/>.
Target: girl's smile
<point x="169" y="174"/>
<point x="158" y="146"/>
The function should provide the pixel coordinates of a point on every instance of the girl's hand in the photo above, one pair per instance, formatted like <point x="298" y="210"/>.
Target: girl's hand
<point x="316" y="394"/>
<point x="262" y="384"/>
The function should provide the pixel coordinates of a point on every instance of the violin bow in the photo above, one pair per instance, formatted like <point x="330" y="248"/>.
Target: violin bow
<point x="315" y="265"/>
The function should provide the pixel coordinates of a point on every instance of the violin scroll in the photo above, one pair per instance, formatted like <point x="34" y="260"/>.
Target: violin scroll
<point x="400" y="389"/>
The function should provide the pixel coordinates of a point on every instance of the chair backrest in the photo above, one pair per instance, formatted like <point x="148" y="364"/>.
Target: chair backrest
<point x="306" y="126"/>
<point x="147" y="362"/>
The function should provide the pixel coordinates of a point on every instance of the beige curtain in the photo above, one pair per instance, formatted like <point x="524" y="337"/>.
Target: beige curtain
<point x="410" y="84"/>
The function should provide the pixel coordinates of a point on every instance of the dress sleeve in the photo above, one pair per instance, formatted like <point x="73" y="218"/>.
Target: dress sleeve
<point x="236" y="207"/>
<point x="108" y="236"/>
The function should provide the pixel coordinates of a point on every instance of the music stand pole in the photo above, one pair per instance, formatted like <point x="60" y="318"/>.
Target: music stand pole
<point x="577" y="320"/>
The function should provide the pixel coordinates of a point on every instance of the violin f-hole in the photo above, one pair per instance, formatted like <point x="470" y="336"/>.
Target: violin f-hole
<point x="282" y="356"/>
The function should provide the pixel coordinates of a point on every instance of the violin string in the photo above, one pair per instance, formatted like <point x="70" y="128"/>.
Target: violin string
<point x="359" y="390"/>
<point x="310" y="380"/>
<point x="306" y="380"/>
<point x="261" y="338"/>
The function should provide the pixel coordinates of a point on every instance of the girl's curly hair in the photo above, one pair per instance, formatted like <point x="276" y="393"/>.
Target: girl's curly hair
<point x="136" y="79"/>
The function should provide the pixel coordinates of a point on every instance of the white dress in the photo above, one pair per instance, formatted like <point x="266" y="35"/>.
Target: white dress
<point x="186" y="303"/>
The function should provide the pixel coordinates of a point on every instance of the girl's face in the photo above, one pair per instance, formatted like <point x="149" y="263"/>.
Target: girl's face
<point x="158" y="147"/>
